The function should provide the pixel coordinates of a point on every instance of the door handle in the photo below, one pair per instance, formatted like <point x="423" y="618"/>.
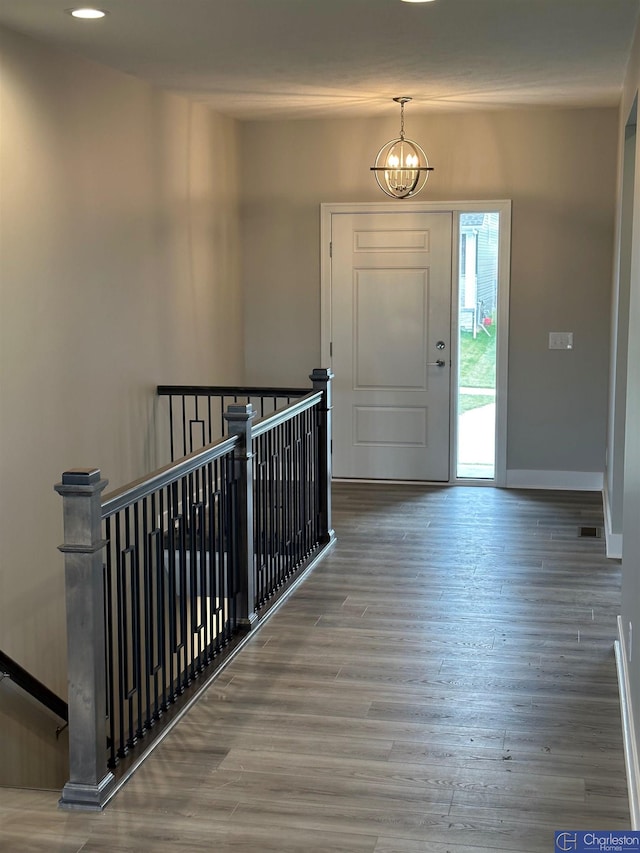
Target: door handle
<point x="439" y="363"/>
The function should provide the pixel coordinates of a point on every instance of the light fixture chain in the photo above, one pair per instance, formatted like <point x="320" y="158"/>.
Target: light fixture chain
<point x="402" y="120"/>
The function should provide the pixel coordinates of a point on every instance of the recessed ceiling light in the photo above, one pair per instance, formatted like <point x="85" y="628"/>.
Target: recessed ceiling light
<point x="88" y="13"/>
<point x="417" y="1"/>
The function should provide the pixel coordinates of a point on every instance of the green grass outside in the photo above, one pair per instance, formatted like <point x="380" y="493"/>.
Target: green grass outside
<point x="478" y="359"/>
<point x="477" y="367"/>
<point x="466" y="402"/>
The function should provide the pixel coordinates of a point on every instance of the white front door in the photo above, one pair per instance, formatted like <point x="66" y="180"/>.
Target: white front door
<point x="390" y="332"/>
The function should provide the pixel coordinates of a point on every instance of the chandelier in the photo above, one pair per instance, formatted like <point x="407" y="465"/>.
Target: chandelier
<point x="401" y="167"/>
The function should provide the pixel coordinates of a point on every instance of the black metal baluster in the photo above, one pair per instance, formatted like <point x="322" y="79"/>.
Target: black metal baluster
<point x="304" y="483"/>
<point x="231" y="525"/>
<point x="303" y="487"/>
<point x="258" y="518"/>
<point x="153" y="556"/>
<point x="288" y="527"/>
<point x="109" y="650"/>
<point x="207" y="601"/>
<point x="311" y="477"/>
<point x="184" y="426"/>
<point x="137" y="622"/>
<point x="279" y="458"/>
<point x="203" y="566"/>
<point x="262" y="581"/>
<point x="196" y="420"/>
<point x="162" y="608"/>
<point x="298" y="490"/>
<point x="129" y="633"/>
<point x="293" y="496"/>
<point x="147" y="611"/>
<point x="223" y="613"/>
<point x="223" y="408"/>
<point x="295" y="505"/>
<point x="226" y="615"/>
<point x="272" y="500"/>
<point x="197" y="559"/>
<point x="185" y="529"/>
<point x="122" y="642"/>
<point x="172" y="591"/>
<point x="315" y="476"/>
<point x="217" y="596"/>
<point x="190" y="490"/>
<point x="265" y="516"/>
<point x="153" y="563"/>
<point x="274" y="438"/>
<point x="173" y="456"/>
<point x="212" y="557"/>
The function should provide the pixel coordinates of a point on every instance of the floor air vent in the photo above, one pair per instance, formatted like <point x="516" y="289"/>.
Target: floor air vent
<point x="590" y="532"/>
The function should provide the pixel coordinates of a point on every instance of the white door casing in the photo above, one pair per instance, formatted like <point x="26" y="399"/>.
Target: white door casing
<point x="390" y="328"/>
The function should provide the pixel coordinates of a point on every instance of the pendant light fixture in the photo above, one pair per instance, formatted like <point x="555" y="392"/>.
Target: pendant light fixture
<point x="401" y="167"/>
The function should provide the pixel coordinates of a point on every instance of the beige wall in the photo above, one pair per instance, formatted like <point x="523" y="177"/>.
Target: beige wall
<point x="118" y="271"/>
<point x="557" y="166"/>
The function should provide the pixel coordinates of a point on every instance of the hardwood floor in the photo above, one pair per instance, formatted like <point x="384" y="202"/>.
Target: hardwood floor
<point x="444" y="682"/>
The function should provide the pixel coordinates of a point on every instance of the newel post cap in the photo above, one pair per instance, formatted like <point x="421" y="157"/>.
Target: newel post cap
<point x="81" y="477"/>
<point x="81" y="481"/>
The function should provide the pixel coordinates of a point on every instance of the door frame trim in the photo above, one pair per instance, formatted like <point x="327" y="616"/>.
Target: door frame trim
<point x="502" y="206"/>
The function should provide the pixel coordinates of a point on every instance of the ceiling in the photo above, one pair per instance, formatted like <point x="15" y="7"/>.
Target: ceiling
<point x="258" y="59"/>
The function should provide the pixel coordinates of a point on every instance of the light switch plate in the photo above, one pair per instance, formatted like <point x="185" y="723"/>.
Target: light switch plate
<point x="560" y="340"/>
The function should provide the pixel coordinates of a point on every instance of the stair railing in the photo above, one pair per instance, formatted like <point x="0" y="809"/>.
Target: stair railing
<point x="166" y="577"/>
<point x="10" y="668"/>
<point x="196" y="413"/>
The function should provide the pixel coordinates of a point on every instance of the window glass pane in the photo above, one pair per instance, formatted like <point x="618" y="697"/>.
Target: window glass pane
<point x="477" y="334"/>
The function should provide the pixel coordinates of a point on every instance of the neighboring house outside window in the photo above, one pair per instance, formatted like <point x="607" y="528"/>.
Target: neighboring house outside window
<point x="478" y="267"/>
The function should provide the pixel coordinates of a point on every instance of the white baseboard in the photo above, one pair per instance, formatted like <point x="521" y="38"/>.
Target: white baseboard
<point x="628" y="730"/>
<point x="613" y="540"/>
<point x="580" y="481"/>
<point x="614" y="544"/>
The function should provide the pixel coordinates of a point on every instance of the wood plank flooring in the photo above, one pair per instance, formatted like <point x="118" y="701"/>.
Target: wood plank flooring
<point x="444" y="682"/>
